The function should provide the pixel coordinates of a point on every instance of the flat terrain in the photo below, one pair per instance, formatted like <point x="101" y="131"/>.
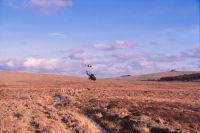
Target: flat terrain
<point x="108" y="105"/>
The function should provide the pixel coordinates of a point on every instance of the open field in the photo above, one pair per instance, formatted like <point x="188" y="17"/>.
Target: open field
<point x="114" y="105"/>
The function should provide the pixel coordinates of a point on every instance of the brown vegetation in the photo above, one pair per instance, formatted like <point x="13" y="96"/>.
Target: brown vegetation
<point x="117" y="105"/>
<point x="185" y="77"/>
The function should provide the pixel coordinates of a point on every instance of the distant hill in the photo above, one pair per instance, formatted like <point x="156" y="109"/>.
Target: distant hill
<point x="157" y="76"/>
<point x="185" y="77"/>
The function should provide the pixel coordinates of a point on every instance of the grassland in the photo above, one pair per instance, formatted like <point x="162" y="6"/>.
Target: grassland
<point x="116" y="105"/>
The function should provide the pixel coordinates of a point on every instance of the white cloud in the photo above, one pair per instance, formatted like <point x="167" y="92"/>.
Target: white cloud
<point x="128" y="55"/>
<point x="13" y="63"/>
<point x="119" y="44"/>
<point x="146" y="63"/>
<point x="47" y="7"/>
<point x="56" y="34"/>
<point x="49" y="3"/>
<point x="42" y="63"/>
<point x="102" y="46"/>
<point x="80" y="55"/>
<point x="192" y="53"/>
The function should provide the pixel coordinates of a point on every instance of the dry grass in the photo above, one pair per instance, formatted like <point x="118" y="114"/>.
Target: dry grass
<point x="118" y="105"/>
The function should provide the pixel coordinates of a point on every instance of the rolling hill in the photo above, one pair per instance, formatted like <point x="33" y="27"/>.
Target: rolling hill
<point x="157" y="76"/>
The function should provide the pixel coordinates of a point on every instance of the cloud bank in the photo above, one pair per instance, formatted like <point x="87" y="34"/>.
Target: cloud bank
<point x="109" y="65"/>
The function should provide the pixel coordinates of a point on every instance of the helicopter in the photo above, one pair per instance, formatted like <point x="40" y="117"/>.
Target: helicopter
<point x="89" y="73"/>
<point x="91" y="76"/>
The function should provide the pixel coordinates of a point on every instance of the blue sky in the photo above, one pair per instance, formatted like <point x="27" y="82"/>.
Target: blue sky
<point x="116" y="36"/>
